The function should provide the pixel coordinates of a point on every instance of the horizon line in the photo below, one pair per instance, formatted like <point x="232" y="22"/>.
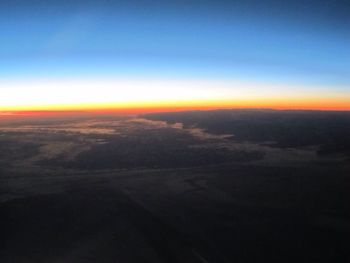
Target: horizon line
<point x="145" y="110"/>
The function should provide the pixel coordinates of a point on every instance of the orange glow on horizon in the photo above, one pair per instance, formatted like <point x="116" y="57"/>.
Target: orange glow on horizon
<point x="155" y="95"/>
<point x="336" y="104"/>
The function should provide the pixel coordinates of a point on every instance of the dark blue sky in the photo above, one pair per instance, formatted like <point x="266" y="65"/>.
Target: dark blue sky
<point x="305" y="42"/>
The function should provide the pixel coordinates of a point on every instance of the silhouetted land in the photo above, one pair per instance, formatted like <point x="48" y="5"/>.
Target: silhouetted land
<point x="328" y="129"/>
<point x="203" y="186"/>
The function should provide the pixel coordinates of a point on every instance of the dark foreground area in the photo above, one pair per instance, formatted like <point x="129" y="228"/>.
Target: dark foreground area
<point x="117" y="189"/>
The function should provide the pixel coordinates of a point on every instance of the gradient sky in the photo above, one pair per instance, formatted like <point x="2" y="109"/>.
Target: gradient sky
<point x="119" y="53"/>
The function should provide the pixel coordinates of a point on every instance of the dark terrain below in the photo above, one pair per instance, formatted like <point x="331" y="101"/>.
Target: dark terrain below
<point x="177" y="188"/>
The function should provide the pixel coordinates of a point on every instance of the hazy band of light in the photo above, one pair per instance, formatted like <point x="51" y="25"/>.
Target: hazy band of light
<point x="153" y="94"/>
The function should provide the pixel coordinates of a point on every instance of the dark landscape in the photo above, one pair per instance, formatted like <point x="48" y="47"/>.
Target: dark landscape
<point x="196" y="186"/>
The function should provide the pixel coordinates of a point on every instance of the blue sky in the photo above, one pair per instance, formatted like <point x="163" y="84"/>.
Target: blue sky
<point x="288" y="42"/>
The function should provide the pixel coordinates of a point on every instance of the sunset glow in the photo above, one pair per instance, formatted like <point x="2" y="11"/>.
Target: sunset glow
<point x="165" y="94"/>
<point x="130" y="58"/>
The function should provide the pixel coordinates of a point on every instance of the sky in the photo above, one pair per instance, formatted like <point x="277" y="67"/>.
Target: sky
<point x="137" y="54"/>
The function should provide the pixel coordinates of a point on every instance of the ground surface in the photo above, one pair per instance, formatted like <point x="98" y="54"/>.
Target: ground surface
<point x="176" y="188"/>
